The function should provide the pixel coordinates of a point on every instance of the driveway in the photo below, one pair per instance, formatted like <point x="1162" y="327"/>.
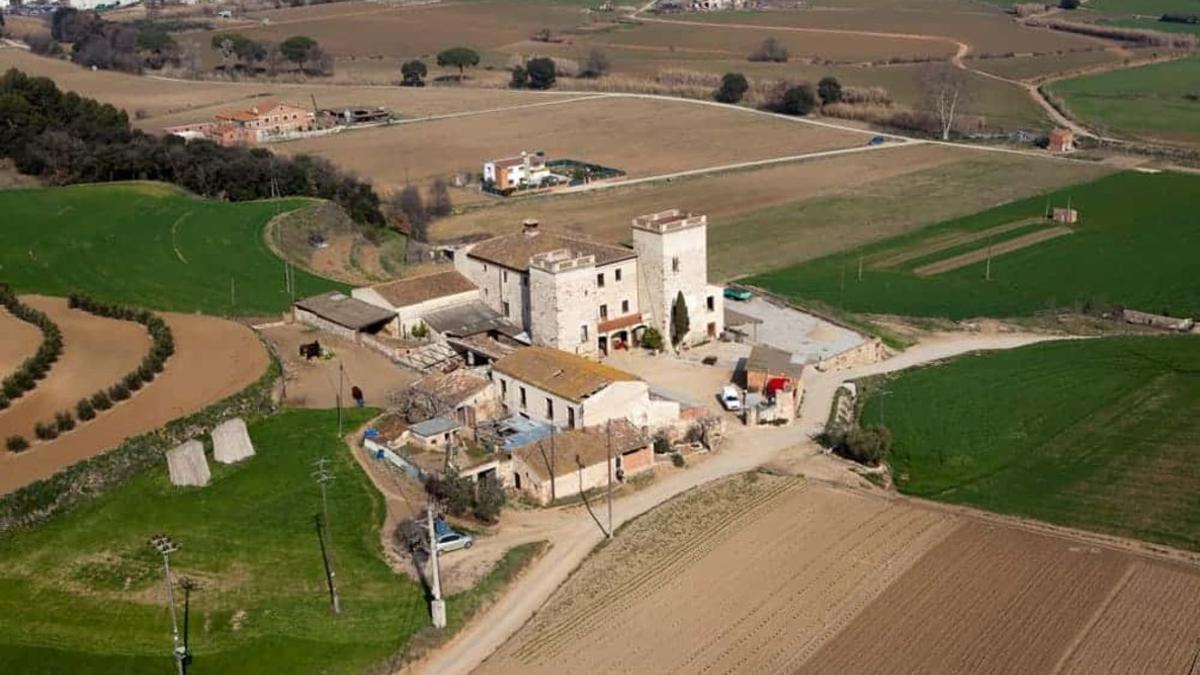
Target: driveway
<point x="804" y="335"/>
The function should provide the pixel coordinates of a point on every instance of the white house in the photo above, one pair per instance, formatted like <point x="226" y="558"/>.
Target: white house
<point x="570" y="392"/>
<point x="524" y="170"/>
<point x="411" y="300"/>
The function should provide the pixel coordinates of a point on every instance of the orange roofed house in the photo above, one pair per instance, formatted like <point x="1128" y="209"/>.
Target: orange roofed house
<point x="260" y="122"/>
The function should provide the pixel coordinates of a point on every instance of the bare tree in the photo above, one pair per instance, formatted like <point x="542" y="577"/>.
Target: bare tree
<point x="945" y="90"/>
<point x="440" y="204"/>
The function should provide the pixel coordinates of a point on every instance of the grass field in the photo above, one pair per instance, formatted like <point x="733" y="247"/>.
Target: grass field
<point x="148" y="245"/>
<point x="1148" y="102"/>
<point x="1152" y="23"/>
<point x="84" y="594"/>
<point x="1134" y="245"/>
<point x="1097" y="434"/>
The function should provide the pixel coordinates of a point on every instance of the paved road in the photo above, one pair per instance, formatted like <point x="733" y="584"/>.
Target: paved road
<point x="745" y="448"/>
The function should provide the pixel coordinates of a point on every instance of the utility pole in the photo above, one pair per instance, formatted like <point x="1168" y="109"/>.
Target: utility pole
<point x="987" y="275"/>
<point x="437" y="606"/>
<point x="165" y="546"/>
<point x="553" y="474"/>
<point x="188" y="585"/>
<point x="608" y="444"/>
<point x="232" y="292"/>
<point x="324" y="477"/>
<point x="341" y="391"/>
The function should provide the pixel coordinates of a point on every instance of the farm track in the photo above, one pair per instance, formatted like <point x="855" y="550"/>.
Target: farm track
<point x="938" y="244"/>
<point x="972" y="257"/>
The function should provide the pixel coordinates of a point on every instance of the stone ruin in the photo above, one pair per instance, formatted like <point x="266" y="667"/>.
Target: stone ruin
<point x="231" y="441"/>
<point x="187" y="464"/>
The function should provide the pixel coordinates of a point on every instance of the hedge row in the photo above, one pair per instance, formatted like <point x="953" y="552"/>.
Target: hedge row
<point x="79" y="483"/>
<point x="88" y="407"/>
<point x="33" y="369"/>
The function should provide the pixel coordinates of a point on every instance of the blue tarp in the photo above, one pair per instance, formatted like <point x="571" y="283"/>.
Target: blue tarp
<point x="521" y="432"/>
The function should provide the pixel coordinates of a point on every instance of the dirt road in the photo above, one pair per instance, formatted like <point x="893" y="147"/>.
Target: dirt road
<point x="745" y="448"/>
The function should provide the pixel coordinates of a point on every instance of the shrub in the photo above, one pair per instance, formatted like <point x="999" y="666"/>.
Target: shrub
<point x="520" y="78"/>
<point x="101" y="401"/>
<point x="132" y="381"/>
<point x="45" y="432"/>
<point x="118" y="392"/>
<point x="661" y="445"/>
<point x="678" y="460"/>
<point x="652" y="339"/>
<point x="84" y="410"/>
<point x="64" y="421"/>
<point x="829" y="90"/>
<point x="799" y="101"/>
<point x="4" y="402"/>
<point x="868" y="446"/>
<point x="11" y="389"/>
<point x="489" y="500"/>
<point x="770" y="51"/>
<point x="733" y="88"/>
<point x="541" y="73"/>
<point x="16" y="443"/>
<point x="595" y="65"/>
<point x="146" y="373"/>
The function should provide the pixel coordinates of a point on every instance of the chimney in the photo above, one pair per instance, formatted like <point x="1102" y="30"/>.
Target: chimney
<point x="530" y="227"/>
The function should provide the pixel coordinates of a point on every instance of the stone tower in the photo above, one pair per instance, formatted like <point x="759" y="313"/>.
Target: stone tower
<point x="562" y="314"/>
<point x="672" y="250"/>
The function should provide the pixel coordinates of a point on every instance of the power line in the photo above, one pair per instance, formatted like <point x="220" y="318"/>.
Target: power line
<point x="323" y="477"/>
<point x="165" y="547"/>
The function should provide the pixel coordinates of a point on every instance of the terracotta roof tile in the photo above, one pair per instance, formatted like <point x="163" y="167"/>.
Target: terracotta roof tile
<point x="561" y="373"/>
<point x="590" y="445"/>
<point x="406" y="292"/>
<point x="514" y="250"/>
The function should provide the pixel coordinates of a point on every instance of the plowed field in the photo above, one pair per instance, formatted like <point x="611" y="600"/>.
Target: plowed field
<point x="20" y="342"/>
<point x="214" y="358"/>
<point x="775" y="575"/>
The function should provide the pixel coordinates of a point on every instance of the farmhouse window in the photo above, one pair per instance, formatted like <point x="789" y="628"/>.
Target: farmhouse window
<point x="505" y="276"/>
<point x="600" y="280"/>
<point x="712" y="305"/>
<point x="505" y="305"/>
<point x="583" y="333"/>
<point x="603" y="312"/>
<point x="523" y="399"/>
<point x="549" y="409"/>
<point x="624" y="306"/>
<point x="675" y="264"/>
<point x="503" y="388"/>
<point x="570" y="418"/>
<point x="617" y="274"/>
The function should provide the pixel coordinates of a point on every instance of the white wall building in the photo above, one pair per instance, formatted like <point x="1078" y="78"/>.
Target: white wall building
<point x="552" y="386"/>
<point x="524" y="170"/>
<point x="414" y="298"/>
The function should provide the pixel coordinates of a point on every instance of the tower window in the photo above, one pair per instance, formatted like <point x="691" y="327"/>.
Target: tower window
<point x="603" y="312"/>
<point x="600" y="280"/>
<point x="624" y="306"/>
<point x="617" y="273"/>
<point x="675" y="264"/>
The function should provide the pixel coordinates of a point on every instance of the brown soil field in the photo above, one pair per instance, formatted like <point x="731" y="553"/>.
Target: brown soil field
<point x="1033" y="67"/>
<point x="773" y="574"/>
<point x="213" y="359"/>
<point x="886" y="259"/>
<point x="804" y="209"/>
<point x="693" y="575"/>
<point x="313" y="384"/>
<point x="972" y="257"/>
<point x="96" y="353"/>
<point x="640" y="137"/>
<point x="166" y="102"/>
<point x="21" y="341"/>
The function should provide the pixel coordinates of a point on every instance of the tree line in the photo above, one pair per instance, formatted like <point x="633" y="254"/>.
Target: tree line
<point x="239" y="52"/>
<point x="96" y="42"/>
<point x="65" y="138"/>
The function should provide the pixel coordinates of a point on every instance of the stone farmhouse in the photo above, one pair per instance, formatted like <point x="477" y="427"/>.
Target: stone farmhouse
<point x="587" y="298"/>
<point x="412" y="300"/>
<point x="553" y="467"/>
<point x="256" y="124"/>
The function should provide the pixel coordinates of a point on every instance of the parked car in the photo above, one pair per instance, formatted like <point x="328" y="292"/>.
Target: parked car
<point x="730" y="399"/>
<point x="876" y="140"/>
<point x="452" y="541"/>
<point x="739" y="294"/>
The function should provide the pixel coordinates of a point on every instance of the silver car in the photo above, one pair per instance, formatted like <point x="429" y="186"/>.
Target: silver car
<point x="452" y="541"/>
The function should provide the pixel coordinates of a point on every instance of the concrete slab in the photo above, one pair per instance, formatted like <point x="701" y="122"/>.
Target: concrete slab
<point x="187" y="465"/>
<point x="806" y="336"/>
<point x="231" y="441"/>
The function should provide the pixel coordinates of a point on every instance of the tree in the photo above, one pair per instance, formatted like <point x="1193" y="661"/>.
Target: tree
<point x="733" y="88"/>
<point x="541" y="73"/>
<point x="520" y="78"/>
<point x="680" y="323"/>
<point x="596" y="64"/>
<point x="410" y="205"/>
<point x="829" y="89"/>
<point x="770" y="50"/>
<point x="799" y="100"/>
<point x="489" y="500"/>
<point x="440" y="205"/>
<point x="458" y="57"/>
<point x="414" y="73"/>
<point x="868" y="446"/>
<point x="236" y="45"/>
<point x="298" y="49"/>
<point x="944" y="90"/>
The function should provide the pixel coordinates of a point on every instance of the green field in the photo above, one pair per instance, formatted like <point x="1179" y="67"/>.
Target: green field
<point x="1150" y="7"/>
<point x="1135" y="245"/>
<point x="84" y="594"/>
<point x="1148" y="102"/>
<point x="146" y="244"/>
<point x="1155" y="24"/>
<point x="1098" y="434"/>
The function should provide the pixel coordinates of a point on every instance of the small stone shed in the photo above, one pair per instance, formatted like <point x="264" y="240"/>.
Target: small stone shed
<point x="342" y="315"/>
<point x="557" y="458"/>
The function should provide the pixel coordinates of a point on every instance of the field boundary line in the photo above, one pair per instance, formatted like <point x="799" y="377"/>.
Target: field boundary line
<point x="1143" y="549"/>
<point x="1097" y="614"/>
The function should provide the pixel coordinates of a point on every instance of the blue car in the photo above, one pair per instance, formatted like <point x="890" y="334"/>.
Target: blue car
<point x="739" y="294"/>
<point x="877" y="140"/>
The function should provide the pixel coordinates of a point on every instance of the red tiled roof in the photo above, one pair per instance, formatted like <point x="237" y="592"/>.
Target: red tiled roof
<point x="619" y="322"/>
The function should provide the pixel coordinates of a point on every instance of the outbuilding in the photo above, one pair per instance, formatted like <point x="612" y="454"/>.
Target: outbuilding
<point x="438" y="433"/>
<point x="341" y="315"/>
<point x="563" y="465"/>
